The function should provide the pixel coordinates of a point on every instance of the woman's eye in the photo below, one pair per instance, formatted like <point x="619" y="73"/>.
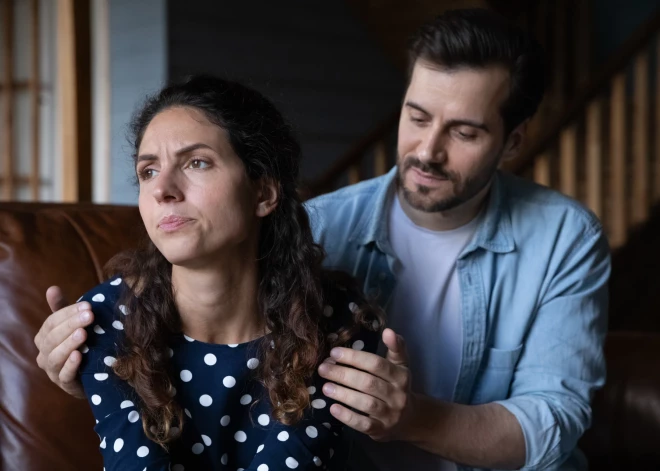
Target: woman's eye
<point x="146" y="173"/>
<point x="198" y="164"/>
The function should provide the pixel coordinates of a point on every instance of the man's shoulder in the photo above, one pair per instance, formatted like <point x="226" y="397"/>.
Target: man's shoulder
<point x="359" y="192"/>
<point x="345" y="208"/>
<point x="531" y="203"/>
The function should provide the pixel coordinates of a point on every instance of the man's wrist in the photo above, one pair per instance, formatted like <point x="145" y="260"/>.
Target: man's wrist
<point x="425" y="419"/>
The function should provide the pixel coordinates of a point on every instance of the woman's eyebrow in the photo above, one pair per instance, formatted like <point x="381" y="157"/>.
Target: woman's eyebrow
<point x="183" y="151"/>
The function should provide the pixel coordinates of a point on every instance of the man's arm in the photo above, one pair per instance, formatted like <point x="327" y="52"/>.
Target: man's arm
<point x="561" y="365"/>
<point x="59" y="338"/>
<point x="481" y="436"/>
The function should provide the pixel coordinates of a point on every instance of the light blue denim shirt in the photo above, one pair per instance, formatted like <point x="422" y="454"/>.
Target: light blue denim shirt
<point x="534" y="301"/>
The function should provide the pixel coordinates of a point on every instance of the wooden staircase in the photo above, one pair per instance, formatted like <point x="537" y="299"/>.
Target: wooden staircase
<point x="602" y="147"/>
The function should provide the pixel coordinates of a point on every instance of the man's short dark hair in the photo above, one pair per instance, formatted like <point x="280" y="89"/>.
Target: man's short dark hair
<point x="477" y="38"/>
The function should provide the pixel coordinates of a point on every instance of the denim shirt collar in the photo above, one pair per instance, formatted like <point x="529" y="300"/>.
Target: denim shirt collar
<point x="494" y="233"/>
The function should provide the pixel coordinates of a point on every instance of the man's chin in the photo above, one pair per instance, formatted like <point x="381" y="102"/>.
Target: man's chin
<point x="429" y="203"/>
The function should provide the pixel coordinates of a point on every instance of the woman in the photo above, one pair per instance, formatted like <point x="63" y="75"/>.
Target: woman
<point x="211" y="335"/>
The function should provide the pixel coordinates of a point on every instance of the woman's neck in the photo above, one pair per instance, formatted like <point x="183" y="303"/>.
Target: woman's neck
<point x="219" y="304"/>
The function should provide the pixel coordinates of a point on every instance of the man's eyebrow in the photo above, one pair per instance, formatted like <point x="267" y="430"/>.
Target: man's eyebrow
<point x="467" y="122"/>
<point x="182" y="151"/>
<point x="451" y="122"/>
<point x="412" y="104"/>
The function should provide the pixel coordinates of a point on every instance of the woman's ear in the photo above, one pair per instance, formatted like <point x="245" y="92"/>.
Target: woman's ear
<point x="268" y="195"/>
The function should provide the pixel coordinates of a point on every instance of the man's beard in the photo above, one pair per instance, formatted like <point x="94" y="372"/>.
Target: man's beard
<point x="463" y="190"/>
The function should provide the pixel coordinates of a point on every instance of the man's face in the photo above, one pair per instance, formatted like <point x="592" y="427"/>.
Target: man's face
<point x="451" y="135"/>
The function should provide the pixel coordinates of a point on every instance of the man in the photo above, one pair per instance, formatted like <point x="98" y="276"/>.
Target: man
<point x="497" y="285"/>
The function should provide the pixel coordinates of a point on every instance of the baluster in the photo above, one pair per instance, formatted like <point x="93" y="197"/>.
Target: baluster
<point x="618" y="160"/>
<point x="8" y="112"/>
<point x="594" y="155"/>
<point x="380" y="159"/>
<point x="34" y="102"/>
<point x="568" y="161"/>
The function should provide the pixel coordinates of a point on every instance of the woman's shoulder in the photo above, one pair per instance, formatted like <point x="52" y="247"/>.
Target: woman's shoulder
<point x="104" y="299"/>
<point x="346" y="307"/>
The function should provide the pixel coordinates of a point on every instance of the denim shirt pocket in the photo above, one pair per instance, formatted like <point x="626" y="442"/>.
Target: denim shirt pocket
<point x="495" y="375"/>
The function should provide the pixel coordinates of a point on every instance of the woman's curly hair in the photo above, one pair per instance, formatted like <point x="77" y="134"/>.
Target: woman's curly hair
<point x="291" y="277"/>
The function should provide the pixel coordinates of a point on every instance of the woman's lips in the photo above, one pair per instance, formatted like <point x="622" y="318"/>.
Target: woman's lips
<point x="173" y="223"/>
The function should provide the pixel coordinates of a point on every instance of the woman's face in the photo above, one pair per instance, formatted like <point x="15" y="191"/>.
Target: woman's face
<point x="196" y="200"/>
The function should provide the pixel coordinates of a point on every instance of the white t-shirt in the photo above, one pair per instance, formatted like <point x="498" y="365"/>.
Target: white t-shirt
<point x="426" y="310"/>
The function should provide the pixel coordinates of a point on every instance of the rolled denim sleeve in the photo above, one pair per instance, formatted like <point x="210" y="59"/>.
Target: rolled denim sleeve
<point x="563" y="362"/>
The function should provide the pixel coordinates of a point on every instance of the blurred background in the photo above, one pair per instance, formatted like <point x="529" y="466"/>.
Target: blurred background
<point x="73" y="71"/>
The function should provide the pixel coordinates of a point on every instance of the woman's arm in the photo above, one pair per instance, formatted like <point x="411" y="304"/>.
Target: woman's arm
<point x="124" y="445"/>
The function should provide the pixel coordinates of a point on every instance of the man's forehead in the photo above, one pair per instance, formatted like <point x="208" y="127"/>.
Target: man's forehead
<point x="464" y="89"/>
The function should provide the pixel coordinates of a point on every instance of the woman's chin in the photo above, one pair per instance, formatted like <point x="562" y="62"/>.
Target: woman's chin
<point x="182" y="258"/>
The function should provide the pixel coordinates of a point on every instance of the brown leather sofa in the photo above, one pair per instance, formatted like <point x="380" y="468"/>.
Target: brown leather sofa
<point x="41" y="428"/>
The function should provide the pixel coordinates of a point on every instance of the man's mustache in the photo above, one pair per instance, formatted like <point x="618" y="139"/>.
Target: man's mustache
<point x="436" y="170"/>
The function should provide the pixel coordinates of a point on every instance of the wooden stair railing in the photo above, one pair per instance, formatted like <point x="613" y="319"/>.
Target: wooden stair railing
<point x="600" y="150"/>
<point x="351" y="162"/>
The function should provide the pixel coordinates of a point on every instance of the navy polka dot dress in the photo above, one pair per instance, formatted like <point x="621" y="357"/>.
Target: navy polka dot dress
<point x="227" y="422"/>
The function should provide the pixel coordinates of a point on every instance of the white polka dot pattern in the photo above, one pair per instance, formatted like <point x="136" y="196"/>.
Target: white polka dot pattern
<point x="263" y="419"/>
<point x="197" y="448"/>
<point x="210" y="359"/>
<point x="229" y="381"/>
<point x="318" y="403"/>
<point x="246" y="399"/>
<point x="119" y="444"/>
<point x="220" y="394"/>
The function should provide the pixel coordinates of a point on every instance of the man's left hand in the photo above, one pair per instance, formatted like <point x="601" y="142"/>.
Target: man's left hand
<point x="378" y="387"/>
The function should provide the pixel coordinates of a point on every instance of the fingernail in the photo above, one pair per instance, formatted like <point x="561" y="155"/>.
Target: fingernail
<point x="77" y="335"/>
<point x="85" y="316"/>
<point x="323" y="368"/>
<point x="335" y="353"/>
<point x="328" y="388"/>
<point x="84" y="306"/>
<point x="330" y="361"/>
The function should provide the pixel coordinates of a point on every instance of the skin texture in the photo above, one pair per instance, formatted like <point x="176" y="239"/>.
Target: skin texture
<point x="451" y="141"/>
<point x="207" y="184"/>
<point x="188" y="169"/>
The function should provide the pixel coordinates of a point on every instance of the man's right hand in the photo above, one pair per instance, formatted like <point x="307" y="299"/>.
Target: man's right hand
<point x="60" y="337"/>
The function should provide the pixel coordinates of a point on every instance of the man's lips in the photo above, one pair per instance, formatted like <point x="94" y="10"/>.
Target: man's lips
<point x="426" y="178"/>
<point x="172" y="223"/>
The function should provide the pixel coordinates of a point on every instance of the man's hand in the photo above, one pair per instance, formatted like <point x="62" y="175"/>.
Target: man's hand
<point x="60" y="337"/>
<point x="381" y="390"/>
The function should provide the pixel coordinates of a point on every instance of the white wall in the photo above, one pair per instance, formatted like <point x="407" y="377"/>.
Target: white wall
<point x="138" y="66"/>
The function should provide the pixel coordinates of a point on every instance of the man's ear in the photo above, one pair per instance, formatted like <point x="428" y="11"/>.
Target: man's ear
<point x="514" y="143"/>
<point x="268" y="195"/>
